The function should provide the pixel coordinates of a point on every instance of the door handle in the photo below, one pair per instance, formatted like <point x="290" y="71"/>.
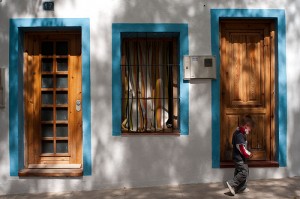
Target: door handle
<point x="78" y="105"/>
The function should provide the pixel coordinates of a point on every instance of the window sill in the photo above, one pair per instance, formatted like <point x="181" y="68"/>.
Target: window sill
<point x="50" y="173"/>
<point x="254" y="163"/>
<point x="129" y="134"/>
<point x="167" y="132"/>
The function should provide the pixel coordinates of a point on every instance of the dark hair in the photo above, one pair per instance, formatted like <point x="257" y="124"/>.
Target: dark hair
<point x="247" y="119"/>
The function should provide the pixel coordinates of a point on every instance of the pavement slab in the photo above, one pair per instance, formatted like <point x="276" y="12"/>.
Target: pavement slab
<point x="288" y="188"/>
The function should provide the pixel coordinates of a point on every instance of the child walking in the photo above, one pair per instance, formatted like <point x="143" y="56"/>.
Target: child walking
<point x="240" y="155"/>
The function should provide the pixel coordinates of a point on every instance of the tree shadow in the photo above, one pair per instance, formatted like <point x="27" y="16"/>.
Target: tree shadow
<point x="146" y="161"/>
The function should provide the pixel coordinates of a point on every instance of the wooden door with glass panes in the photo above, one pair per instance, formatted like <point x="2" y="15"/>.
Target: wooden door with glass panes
<point x="52" y="84"/>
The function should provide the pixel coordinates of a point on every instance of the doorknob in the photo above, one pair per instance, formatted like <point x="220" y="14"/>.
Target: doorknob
<point x="78" y="105"/>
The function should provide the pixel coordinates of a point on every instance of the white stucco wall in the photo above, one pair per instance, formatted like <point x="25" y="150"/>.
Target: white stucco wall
<point x="148" y="161"/>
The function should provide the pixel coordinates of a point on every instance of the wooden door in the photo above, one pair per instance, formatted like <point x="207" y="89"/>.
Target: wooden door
<point x="247" y="84"/>
<point x="52" y="88"/>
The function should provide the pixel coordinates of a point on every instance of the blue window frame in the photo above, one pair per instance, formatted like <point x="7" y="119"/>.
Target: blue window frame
<point x="16" y="115"/>
<point x="117" y="29"/>
<point x="281" y="97"/>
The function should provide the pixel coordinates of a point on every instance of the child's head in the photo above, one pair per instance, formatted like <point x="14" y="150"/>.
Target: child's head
<point x="247" y="122"/>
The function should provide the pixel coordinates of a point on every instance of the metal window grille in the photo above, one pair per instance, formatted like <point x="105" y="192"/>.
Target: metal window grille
<point x="150" y="95"/>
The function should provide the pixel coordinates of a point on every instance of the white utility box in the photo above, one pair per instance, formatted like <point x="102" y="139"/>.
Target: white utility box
<point x="202" y="67"/>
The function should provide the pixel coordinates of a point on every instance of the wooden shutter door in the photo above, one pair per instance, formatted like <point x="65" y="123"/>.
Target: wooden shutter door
<point x="247" y="84"/>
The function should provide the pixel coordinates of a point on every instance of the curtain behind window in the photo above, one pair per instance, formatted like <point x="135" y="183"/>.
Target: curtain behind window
<point x="149" y="84"/>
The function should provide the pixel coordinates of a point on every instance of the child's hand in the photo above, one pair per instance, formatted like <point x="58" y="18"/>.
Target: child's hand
<point x="251" y="155"/>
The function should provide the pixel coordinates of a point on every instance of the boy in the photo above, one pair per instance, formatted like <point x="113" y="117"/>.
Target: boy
<point x="240" y="154"/>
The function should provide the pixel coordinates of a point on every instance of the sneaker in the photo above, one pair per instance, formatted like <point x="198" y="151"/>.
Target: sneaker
<point x="231" y="189"/>
<point x="244" y="190"/>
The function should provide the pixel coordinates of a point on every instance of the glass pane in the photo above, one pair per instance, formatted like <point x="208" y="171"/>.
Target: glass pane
<point x="47" y="98"/>
<point x="47" y="114"/>
<point x="61" y="146"/>
<point x="62" y="82"/>
<point x="47" y="146"/>
<point x="62" y="64"/>
<point x="47" y="82"/>
<point x="62" y="130"/>
<point x="47" y="130"/>
<point x="61" y="98"/>
<point x="62" y="48"/>
<point x="62" y="114"/>
<point x="47" y="48"/>
<point x="47" y="65"/>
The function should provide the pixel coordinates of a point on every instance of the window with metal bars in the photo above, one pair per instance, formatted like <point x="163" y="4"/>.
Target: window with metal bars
<point x="150" y="95"/>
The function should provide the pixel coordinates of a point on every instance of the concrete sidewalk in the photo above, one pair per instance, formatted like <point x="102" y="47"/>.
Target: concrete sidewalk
<point x="259" y="189"/>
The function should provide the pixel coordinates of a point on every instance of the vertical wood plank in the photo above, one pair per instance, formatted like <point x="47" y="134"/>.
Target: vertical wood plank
<point x="27" y="99"/>
<point x="224" y="74"/>
<point x="36" y="81"/>
<point x="267" y="59"/>
<point x="75" y="121"/>
<point x="272" y="91"/>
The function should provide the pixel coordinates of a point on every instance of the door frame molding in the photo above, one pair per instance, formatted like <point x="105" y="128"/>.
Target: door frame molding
<point x="16" y="84"/>
<point x="280" y="79"/>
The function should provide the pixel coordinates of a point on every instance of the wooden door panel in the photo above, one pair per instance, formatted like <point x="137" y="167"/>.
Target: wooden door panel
<point x="32" y="118"/>
<point x="237" y="53"/>
<point x="75" y="82"/>
<point x="259" y="138"/>
<point x="246" y="74"/>
<point x="232" y="123"/>
<point x="255" y="86"/>
<point x="246" y="79"/>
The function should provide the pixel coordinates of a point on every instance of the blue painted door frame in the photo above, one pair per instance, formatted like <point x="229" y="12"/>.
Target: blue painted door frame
<point x="281" y="97"/>
<point x="16" y="102"/>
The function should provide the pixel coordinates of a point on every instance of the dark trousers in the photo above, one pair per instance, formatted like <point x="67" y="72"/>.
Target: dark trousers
<point x="241" y="173"/>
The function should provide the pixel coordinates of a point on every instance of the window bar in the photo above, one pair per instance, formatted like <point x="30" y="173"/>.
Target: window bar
<point x="169" y="122"/>
<point x="170" y="89"/>
<point x="125" y="94"/>
<point x="146" y="88"/>
<point x="170" y="101"/>
<point x="147" y="120"/>
<point x="171" y="96"/>
<point x="163" y="96"/>
<point x="137" y="85"/>
<point x="177" y="117"/>
<point x="172" y="117"/>
<point x="127" y="72"/>
<point x="127" y="110"/>
<point x="128" y="90"/>
<point x="164" y="69"/>
<point x="155" y="100"/>
<point x="173" y="70"/>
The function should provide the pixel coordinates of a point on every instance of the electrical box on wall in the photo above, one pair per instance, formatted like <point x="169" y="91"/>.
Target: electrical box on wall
<point x="199" y="67"/>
